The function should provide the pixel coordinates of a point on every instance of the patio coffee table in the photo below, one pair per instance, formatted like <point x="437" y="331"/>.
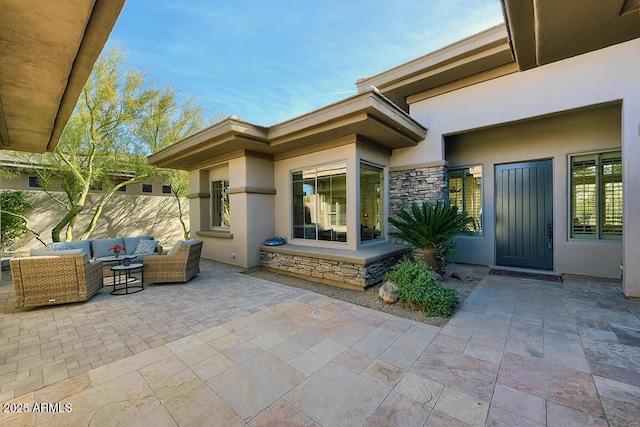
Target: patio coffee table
<point x="115" y="259"/>
<point x="126" y="270"/>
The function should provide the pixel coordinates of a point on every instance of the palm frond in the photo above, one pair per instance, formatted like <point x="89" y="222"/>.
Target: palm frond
<point x="429" y="226"/>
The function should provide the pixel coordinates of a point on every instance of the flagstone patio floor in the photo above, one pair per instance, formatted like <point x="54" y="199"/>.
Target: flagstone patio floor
<point x="229" y="349"/>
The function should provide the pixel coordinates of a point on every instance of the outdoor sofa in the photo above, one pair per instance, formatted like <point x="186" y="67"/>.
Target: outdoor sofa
<point x="49" y="280"/>
<point x="140" y="246"/>
<point x="180" y="264"/>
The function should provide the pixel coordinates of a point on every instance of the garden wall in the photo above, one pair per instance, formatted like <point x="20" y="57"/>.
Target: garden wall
<point x="124" y="215"/>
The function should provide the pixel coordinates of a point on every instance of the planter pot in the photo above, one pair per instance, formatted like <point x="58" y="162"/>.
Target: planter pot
<point x="274" y="241"/>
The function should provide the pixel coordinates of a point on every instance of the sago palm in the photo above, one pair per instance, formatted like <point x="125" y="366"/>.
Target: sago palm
<point x="430" y="228"/>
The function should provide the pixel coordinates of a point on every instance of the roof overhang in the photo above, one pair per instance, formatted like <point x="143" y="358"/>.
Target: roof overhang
<point x="366" y="116"/>
<point x="227" y="136"/>
<point x="474" y="56"/>
<point x="545" y="31"/>
<point x="48" y="49"/>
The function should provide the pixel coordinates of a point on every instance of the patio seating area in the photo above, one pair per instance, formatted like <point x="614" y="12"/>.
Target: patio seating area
<point x="230" y="349"/>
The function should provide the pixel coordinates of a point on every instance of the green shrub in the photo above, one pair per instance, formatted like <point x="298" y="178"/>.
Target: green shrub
<point x="416" y="285"/>
<point x="12" y="223"/>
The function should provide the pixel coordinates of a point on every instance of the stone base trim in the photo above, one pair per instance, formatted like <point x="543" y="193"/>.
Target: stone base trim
<point x="350" y="273"/>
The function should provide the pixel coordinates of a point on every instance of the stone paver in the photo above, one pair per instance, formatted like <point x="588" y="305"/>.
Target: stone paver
<point x="229" y="349"/>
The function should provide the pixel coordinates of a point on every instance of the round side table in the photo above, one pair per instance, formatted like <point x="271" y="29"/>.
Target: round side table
<point x="120" y="288"/>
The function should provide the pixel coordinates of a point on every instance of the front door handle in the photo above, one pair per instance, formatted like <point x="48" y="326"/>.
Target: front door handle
<point x="549" y="237"/>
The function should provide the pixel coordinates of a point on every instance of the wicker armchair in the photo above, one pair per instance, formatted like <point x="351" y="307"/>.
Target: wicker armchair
<point x="180" y="266"/>
<point x="50" y="280"/>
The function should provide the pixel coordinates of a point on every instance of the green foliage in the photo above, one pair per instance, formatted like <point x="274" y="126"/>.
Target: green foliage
<point x="121" y="117"/>
<point x="417" y="285"/>
<point x="430" y="227"/>
<point x="167" y="121"/>
<point x="406" y="272"/>
<point x="13" y="224"/>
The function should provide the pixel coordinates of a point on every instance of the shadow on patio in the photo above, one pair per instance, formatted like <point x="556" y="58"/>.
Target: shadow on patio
<point x="231" y="349"/>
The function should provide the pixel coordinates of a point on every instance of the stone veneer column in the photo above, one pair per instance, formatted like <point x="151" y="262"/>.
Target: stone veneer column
<point x="417" y="183"/>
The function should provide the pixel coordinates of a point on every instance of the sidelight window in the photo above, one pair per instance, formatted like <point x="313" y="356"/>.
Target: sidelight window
<point x="465" y="192"/>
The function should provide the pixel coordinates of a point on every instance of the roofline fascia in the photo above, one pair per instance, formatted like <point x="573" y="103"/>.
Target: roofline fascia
<point x="105" y="13"/>
<point x="223" y="128"/>
<point x="465" y="47"/>
<point x="280" y="130"/>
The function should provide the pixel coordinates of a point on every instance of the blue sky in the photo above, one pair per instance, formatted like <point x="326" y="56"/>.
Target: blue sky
<point x="268" y="61"/>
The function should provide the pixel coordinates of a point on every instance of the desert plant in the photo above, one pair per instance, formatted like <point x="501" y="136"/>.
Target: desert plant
<point x="14" y="205"/>
<point x="431" y="229"/>
<point x="417" y="287"/>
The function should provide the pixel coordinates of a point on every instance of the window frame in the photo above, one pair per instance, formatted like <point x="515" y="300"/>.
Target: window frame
<point x="146" y="188"/>
<point x="465" y="171"/>
<point x="382" y="220"/>
<point x="340" y="236"/>
<point x="600" y="185"/>
<point x="223" y="199"/>
<point x="36" y="181"/>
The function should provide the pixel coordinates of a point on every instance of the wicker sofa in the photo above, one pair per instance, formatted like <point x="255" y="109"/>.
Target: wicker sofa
<point x="179" y="265"/>
<point x="50" y="280"/>
<point x="99" y="248"/>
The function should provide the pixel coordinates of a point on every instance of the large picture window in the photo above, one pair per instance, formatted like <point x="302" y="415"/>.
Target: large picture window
<point x="465" y="192"/>
<point x="320" y="203"/>
<point x="596" y="196"/>
<point x="220" y="215"/>
<point x="372" y="214"/>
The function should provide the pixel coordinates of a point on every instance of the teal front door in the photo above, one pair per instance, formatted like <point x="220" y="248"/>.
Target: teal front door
<point x="524" y="214"/>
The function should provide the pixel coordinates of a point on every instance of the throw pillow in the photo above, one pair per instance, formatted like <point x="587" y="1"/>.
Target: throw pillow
<point x="174" y="249"/>
<point x="146" y="247"/>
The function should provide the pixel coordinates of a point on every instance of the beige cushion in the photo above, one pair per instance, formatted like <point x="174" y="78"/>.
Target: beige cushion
<point x="47" y="252"/>
<point x="174" y="249"/>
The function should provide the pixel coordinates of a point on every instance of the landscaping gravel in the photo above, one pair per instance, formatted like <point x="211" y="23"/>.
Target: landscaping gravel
<point x="469" y="277"/>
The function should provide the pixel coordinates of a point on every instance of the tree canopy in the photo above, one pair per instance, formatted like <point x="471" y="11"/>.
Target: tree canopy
<point x="121" y="117"/>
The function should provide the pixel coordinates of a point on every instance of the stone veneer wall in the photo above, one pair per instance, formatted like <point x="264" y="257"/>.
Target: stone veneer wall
<point x="418" y="184"/>
<point x="338" y="273"/>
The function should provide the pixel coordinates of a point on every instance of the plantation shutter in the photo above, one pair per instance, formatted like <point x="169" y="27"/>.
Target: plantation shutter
<point x="596" y="196"/>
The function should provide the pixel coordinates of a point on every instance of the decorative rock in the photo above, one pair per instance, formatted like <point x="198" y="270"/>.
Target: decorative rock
<point x="437" y="276"/>
<point x="389" y="293"/>
<point x="460" y="276"/>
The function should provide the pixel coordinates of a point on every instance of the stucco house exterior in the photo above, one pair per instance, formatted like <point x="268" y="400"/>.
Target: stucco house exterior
<point x="532" y="127"/>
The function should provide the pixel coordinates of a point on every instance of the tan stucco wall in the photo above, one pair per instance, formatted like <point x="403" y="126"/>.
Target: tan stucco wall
<point x="251" y="204"/>
<point x="604" y="76"/>
<point x="260" y="207"/>
<point x="124" y="215"/>
<point x="22" y="183"/>
<point x="552" y="138"/>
